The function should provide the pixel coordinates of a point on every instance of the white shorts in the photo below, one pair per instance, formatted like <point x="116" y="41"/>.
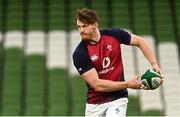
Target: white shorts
<point x="116" y="108"/>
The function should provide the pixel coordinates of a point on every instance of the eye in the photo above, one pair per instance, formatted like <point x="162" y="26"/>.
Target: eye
<point x="83" y="26"/>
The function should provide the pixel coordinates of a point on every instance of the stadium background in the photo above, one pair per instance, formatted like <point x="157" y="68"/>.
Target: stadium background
<point x="37" y="39"/>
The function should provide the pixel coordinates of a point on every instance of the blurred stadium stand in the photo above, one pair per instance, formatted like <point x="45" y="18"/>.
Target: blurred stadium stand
<point x="35" y="63"/>
<point x="172" y="72"/>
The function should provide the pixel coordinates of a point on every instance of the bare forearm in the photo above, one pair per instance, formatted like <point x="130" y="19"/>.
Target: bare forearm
<point x="109" y="86"/>
<point x="148" y="52"/>
<point x="144" y="47"/>
<point x="101" y="85"/>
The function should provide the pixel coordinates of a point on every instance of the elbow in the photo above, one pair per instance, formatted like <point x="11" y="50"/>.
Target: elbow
<point x="138" y="41"/>
<point x="97" y="87"/>
<point x="141" y="43"/>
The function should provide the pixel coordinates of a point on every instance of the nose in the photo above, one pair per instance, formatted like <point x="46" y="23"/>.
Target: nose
<point x="81" y="29"/>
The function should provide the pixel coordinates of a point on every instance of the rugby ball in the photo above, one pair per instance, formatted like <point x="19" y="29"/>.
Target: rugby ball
<point x="151" y="79"/>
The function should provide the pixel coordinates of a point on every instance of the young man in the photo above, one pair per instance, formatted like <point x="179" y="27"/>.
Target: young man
<point x="98" y="60"/>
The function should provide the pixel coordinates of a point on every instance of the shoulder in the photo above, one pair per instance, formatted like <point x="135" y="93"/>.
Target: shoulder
<point x="119" y="33"/>
<point x="81" y="58"/>
<point x="113" y="31"/>
<point x="80" y="50"/>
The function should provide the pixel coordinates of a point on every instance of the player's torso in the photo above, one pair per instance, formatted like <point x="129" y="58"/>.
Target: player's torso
<point x="106" y="58"/>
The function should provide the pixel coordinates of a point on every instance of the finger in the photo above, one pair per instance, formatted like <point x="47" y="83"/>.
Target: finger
<point x="162" y="76"/>
<point x="144" y="87"/>
<point x="138" y="76"/>
<point x="162" y="80"/>
<point x="158" y="70"/>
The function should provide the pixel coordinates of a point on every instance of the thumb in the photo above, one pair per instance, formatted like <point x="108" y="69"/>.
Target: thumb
<point x="138" y="76"/>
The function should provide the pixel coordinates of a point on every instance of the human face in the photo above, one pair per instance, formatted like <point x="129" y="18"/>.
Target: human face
<point x="87" y="31"/>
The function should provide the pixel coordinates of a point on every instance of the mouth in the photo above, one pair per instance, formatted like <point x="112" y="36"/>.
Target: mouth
<point x="83" y="34"/>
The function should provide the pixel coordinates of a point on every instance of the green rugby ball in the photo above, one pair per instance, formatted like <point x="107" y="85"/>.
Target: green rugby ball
<point x="151" y="79"/>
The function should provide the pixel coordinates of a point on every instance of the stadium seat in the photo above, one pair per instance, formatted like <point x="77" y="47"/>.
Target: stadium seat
<point x="35" y="85"/>
<point x="56" y="58"/>
<point x="14" y="39"/>
<point x="100" y="7"/>
<point x="12" y="73"/>
<point x="170" y="66"/>
<point x="36" y="15"/>
<point x="35" y="43"/>
<point x="79" y="95"/>
<point x="141" y="17"/>
<point x="148" y="99"/>
<point x="163" y="21"/>
<point x="57" y="92"/>
<point x="75" y="39"/>
<point x="0" y="37"/>
<point x="35" y="68"/>
<point x="57" y="13"/>
<point x="14" y="15"/>
<point x="57" y="50"/>
<point x="120" y="17"/>
<point x="129" y="63"/>
<point x="11" y="94"/>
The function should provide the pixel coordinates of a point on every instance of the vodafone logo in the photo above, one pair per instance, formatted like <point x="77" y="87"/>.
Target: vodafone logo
<point x="106" y="62"/>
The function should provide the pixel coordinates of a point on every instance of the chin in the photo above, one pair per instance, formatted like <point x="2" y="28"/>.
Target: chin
<point x="85" y="37"/>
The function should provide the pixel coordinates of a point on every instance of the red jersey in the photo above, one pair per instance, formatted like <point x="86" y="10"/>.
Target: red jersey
<point x="105" y="56"/>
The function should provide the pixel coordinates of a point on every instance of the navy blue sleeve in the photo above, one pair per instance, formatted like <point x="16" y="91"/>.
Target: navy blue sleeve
<point x="81" y="59"/>
<point x="123" y="36"/>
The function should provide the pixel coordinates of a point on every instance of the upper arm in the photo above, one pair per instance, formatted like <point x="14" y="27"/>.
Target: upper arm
<point x="91" y="77"/>
<point x="81" y="60"/>
<point x="136" y="40"/>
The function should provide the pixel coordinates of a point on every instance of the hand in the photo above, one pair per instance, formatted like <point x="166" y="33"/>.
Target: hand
<point x="135" y="83"/>
<point x="156" y="68"/>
